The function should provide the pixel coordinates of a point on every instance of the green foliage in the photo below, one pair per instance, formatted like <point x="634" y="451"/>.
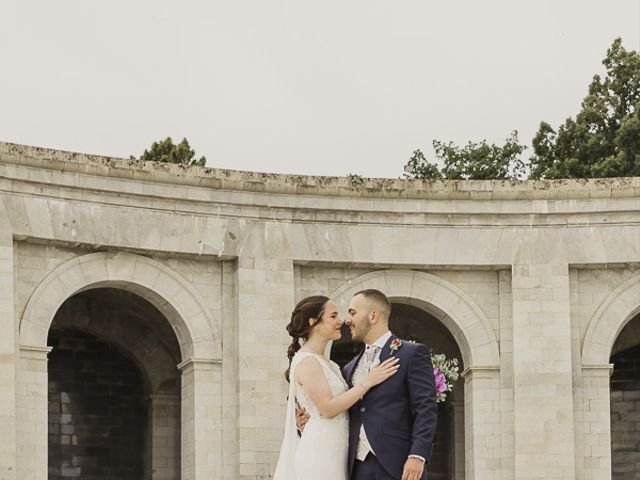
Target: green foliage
<point x="604" y="138"/>
<point x="602" y="141"/>
<point x="166" y="151"/>
<point x="419" y="167"/>
<point x="475" y="161"/>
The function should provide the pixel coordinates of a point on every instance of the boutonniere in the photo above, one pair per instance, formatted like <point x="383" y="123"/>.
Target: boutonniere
<point x="395" y="345"/>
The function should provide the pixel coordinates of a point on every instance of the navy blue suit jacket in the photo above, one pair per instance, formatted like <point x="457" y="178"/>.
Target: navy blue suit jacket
<point x="400" y="414"/>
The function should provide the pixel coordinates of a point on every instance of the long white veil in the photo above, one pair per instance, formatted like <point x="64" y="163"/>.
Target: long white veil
<point x="285" y="469"/>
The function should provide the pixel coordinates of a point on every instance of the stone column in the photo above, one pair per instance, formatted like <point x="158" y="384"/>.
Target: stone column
<point x="542" y="372"/>
<point x="506" y="373"/>
<point x="457" y="408"/>
<point x="164" y="423"/>
<point x="201" y="419"/>
<point x="230" y="367"/>
<point x="32" y="413"/>
<point x="265" y="300"/>
<point x="596" y="424"/>
<point x="8" y="327"/>
<point x="482" y="423"/>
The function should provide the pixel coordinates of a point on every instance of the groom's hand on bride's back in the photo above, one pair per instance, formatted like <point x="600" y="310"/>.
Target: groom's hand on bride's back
<point x="301" y="417"/>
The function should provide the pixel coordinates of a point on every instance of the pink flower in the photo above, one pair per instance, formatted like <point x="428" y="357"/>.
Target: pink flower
<point x="395" y="345"/>
<point x="441" y="381"/>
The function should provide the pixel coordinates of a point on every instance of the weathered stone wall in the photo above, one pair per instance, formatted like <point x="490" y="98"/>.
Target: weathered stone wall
<point x="534" y="280"/>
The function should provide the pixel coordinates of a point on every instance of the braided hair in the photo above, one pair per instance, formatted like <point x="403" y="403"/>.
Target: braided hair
<point x="299" y="327"/>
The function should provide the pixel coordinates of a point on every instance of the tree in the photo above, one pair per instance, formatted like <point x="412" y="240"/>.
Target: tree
<point x="419" y="167"/>
<point x="604" y="138"/>
<point x="166" y="151"/>
<point x="475" y="161"/>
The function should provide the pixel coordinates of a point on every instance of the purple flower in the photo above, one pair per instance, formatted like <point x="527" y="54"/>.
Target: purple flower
<point x="441" y="381"/>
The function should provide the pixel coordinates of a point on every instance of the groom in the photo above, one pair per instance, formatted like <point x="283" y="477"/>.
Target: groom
<point x="391" y="428"/>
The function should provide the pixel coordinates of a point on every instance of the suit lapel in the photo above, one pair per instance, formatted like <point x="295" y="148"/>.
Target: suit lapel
<point x="385" y="353"/>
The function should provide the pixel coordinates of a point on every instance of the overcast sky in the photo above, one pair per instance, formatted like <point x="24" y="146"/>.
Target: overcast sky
<point x="322" y="88"/>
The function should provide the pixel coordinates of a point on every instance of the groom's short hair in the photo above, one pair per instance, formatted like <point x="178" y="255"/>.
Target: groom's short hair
<point x="378" y="297"/>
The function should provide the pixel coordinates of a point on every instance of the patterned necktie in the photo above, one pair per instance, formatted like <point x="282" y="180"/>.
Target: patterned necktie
<point x="370" y="354"/>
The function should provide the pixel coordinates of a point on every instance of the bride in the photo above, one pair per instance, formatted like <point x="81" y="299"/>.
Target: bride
<point x="316" y="383"/>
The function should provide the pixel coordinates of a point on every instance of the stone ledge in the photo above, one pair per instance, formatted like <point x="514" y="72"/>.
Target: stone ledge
<point x="80" y="163"/>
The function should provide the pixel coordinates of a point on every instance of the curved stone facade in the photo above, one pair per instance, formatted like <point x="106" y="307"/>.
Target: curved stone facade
<point x="534" y="280"/>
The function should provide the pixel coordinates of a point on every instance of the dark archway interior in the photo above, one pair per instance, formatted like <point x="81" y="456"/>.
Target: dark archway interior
<point x="112" y="353"/>
<point x="412" y="323"/>
<point x="625" y="404"/>
<point x="97" y="409"/>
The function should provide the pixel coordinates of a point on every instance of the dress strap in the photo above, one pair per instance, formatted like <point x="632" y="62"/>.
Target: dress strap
<point x="297" y="360"/>
<point x="300" y="356"/>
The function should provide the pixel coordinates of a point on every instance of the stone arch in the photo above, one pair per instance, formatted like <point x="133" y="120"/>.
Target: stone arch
<point x="164" y="288"/>
<point x="622" y="305"/>
<point x="146" y="347"/>
<point x="455" y="309"/>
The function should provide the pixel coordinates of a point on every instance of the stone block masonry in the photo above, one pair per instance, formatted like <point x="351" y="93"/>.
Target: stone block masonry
<point x="534" y="281"/>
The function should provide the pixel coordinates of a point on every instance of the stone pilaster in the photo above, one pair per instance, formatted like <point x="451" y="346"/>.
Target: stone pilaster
<point x="201" y="419"/>
<point x="164" y="423"/>
<point x="596" y="425"/>
<point x="230" y="367"/>
<point x="32" y="413"/>
<point x="542" y="372"/>
<point x="458" y="435"/>
<point x="265" y="301"/>
<point x="8" y="328"/>
<point x="482" y="423"/>
<point x="506" y="373"/>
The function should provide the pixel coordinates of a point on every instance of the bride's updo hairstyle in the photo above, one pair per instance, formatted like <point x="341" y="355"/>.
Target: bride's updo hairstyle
<point x="299" y="327"/>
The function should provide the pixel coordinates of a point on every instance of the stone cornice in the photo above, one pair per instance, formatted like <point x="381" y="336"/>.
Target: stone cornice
<point x="192" y="363"/>
<point x="233" y="180"/>
<point x="35" y="352"/>
<point x="602" y="370"/>
<point x="480" y="372"/>
<point x="81" y="180"/>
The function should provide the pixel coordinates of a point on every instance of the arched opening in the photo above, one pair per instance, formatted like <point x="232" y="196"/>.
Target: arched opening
<point x="625" y="403"/>
<point x="413" y="323"/>
<point x="97" y="410"/>
<point x="185" y="325"/>
<point x="114" y="389"/>
<point x="476" y="424"/>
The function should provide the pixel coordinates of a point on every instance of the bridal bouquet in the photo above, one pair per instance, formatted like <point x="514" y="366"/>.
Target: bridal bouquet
<point x="446" y="372"/>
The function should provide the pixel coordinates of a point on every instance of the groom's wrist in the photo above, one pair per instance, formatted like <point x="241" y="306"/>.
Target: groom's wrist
<point x="418" y="457"/>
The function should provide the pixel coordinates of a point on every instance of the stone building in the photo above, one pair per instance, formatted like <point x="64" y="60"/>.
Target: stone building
<point x="143" y="309"/>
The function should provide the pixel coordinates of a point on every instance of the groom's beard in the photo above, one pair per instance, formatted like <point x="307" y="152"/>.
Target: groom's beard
<point x="359" y="336"/>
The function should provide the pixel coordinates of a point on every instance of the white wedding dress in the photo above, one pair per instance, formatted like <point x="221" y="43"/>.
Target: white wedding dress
<point x="321" y="452"/>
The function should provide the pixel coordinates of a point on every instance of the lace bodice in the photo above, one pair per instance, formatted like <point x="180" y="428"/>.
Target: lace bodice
<point x="334" y="378"/>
